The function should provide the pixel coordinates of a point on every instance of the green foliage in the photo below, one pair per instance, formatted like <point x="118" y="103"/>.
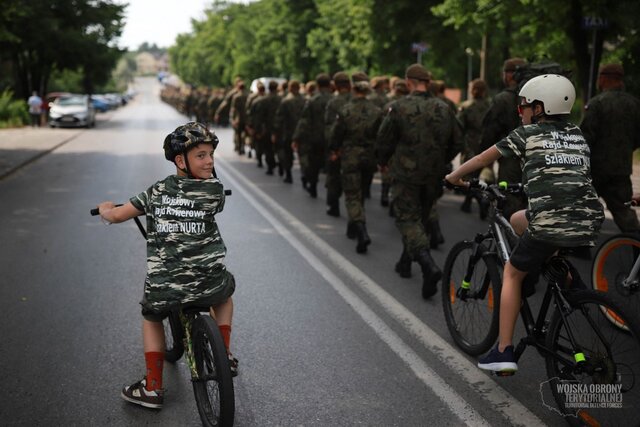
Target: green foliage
<point x="300" y="38"/>
<point x="13" y="113"/>
<point x="39" y="36"/>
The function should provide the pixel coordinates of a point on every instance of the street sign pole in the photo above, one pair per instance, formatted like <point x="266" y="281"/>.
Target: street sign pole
<point x="594" y="23"/>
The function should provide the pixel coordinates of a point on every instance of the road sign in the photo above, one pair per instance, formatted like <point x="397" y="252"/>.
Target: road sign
<point x="419" y="47"/>
<point x="594" y="23"/>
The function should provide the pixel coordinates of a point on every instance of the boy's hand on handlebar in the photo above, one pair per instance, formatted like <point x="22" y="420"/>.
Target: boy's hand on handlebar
<point x="449" y="183"/>
<point x="105" y="207"/>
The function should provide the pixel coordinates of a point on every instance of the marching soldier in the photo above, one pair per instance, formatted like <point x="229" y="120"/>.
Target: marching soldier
<point x="309" y="138"/>
<point x="352" y="139"/>
<point x="422" y="134"/>
<point x="333" y="182"/>
<point x="262" y="116"/>
<point x="287" y="117"/>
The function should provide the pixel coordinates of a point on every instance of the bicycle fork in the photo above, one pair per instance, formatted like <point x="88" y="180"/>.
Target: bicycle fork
<point x="187" y="321"/>
<point x="464" y="291"/>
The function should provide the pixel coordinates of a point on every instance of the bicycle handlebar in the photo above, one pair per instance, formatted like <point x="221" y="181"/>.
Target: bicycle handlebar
<point x="96" y="212"/>
<point x="496" y="190"/>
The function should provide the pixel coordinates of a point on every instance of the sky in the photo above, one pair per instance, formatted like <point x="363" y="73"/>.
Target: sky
<point x="159" y="21"/>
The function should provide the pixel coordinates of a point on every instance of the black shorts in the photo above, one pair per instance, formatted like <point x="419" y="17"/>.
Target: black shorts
<point x="530" y="254"/>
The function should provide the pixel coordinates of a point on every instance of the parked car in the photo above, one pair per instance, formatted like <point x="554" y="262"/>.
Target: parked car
<point x="100" y="104"/>
<point x="265" y="81"/>
<point x="73" y="111"/>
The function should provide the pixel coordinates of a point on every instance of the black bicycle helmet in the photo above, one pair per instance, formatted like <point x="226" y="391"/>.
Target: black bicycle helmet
<point x="186" y="136"/>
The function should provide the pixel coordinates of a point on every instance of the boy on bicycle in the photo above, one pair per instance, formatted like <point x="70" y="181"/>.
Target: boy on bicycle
<point x="563" y="207"/>
<point x="185" y="252"/>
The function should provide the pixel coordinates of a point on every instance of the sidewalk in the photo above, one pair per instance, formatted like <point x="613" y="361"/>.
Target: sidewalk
<point x="21" y="146"/>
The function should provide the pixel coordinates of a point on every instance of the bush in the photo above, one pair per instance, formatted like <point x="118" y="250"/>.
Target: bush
<point x="13" y="113"/>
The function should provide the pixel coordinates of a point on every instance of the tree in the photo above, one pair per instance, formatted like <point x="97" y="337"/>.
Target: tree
<point x="40" y="35"/>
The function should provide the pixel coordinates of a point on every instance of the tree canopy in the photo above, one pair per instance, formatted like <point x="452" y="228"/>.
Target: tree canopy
<point x="40" y="36"/>
<point x="299" y="38"/>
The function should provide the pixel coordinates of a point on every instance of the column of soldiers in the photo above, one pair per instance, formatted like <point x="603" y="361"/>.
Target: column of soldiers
<point x="351" y="127"/>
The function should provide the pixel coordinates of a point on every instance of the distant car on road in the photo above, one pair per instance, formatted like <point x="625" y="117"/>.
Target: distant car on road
<point x="72" y="111"/>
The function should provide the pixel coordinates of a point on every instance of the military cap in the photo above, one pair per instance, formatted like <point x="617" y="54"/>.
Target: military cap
<point x="362" y="86"/>
<point x="359" y="76"/>
<point x="512" y="64"/>
<point x="341" y="77"/>
<point x="613" y="70"/>
<point x="418" y="72"/>
<point x="294" y="85"/>
<point x="400" y="86"/>
<point x="377" y="82"/>
<point x="323" y="80"/>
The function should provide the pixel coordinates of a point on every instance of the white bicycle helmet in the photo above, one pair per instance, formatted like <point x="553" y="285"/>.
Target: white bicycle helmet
<point x="556" y="92"/>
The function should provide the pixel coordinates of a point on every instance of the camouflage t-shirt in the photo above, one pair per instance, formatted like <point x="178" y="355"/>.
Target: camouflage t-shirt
<point x="563" y="208"/>
<point x="185" y="252"/>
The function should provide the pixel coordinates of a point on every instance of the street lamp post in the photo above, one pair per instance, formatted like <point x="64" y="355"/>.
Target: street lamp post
<point x="469" y="53"/>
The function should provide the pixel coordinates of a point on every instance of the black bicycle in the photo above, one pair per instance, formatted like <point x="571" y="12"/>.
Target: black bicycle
<point x="192" y="331"/>
<point x="593" y="367"/>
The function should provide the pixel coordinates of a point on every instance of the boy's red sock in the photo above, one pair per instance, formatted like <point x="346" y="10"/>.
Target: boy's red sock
<point x="155" y="362"/>
<point x="225" y="331"/>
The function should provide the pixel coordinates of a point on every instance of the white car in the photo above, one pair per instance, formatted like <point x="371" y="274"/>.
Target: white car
<point x="73" y="111"/>
<point x="265" y="81"/>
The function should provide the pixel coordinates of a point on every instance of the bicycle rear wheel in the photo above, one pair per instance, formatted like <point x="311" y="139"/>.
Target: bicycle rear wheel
<point x="471" y="309"/>
<point x="173" y="337"/>
<point x="610" y="272"/>
<point x="600" y="386"/>
<point x="213" y="388"/>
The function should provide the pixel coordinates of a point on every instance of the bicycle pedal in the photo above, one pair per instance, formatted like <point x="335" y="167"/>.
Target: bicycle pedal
<point x="504" y="373"/>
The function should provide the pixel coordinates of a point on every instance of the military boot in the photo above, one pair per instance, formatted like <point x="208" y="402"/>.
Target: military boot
<point x="351" y="230"/>
<point x="436" y="237"/>
<point x="466" y="205"/>
<point x="288" y="178"/>
<point x="333" y="208"/>
<point x="431" y="273"/>
<point x="384" y="195"/>
<point x="363" y="237"/>
<point x="312" y="188"/>
<point x="403" y="266"/>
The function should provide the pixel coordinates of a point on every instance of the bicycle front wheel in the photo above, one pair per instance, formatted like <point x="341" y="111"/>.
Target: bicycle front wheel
<point x="610" y="272"/>
<point x="599" y="384"/>
<point x="213" y="388"/>
<point x="471" y="305"/>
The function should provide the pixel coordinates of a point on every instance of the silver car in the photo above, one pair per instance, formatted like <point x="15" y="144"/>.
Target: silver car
<point x="73" y="111"/>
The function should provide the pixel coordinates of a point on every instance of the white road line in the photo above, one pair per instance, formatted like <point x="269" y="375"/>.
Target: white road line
<point x="500" y="400"/>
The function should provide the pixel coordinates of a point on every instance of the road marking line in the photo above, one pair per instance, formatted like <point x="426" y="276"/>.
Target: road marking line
<point x="499" y="399"/>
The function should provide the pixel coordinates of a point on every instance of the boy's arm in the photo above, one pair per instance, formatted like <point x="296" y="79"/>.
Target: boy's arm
<point x="114" y="214"/>
<point x="475" y="163"/>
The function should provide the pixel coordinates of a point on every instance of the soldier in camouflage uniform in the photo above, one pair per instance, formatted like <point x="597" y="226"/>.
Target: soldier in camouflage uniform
<point x="611" y="125"/>
<point x="286" y="119"/>
<point x="423" y="135"/>
<point x="333" y="181"/>
<point x="352" y="139"/>
<point x="238" y="117"/>
<point x="309" y="138"/>
<point x="501" y="119"/>
<point x="399" y="90"/>
<point x="185" y="252"/>
<point x="563" y="207"/>
<point x="378" y="96"/>
<point x="262" y="116"/>
<point x="251" y="98"/>
<point x="221" y="116"/>
<point x="470" y="116"/>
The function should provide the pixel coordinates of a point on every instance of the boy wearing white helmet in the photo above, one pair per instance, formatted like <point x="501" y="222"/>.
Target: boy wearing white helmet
<point x="563" y="209"/>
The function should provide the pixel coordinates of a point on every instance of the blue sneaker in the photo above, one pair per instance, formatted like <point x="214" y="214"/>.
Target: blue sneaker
<point x="496" y="361"/>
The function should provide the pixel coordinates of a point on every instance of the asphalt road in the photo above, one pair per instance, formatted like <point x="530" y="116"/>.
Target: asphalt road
<point x="325" y="336"/>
